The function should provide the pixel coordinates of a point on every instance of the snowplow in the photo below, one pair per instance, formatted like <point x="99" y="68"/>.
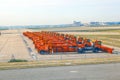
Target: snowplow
<point x="47" y="42"/>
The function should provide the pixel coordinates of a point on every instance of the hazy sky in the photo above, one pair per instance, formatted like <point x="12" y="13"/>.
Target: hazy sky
<point x="35" y="12"/>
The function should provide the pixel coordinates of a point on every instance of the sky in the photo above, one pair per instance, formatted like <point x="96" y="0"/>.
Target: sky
<point x="42" y="12"/>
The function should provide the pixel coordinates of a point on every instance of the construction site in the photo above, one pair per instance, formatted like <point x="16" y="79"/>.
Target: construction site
<point x="58" y="43"/>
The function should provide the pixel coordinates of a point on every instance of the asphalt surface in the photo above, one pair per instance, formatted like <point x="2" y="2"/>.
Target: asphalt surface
<point x="81" y="72"/>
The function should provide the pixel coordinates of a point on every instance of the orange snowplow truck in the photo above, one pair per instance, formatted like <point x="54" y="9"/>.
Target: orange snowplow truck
<point x="49" y="42"/>
<point x="98" y="45"/>
<point x="95" y="47"/>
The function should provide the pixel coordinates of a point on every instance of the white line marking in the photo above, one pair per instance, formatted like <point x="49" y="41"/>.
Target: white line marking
<point x="73" y="71"/>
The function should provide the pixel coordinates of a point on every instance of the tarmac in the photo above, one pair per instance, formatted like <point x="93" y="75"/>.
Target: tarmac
<point x="12" y="46"/>
<point x="80" y="72"/>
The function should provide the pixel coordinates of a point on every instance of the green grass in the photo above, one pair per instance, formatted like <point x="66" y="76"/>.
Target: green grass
<point x="17" y="60"/>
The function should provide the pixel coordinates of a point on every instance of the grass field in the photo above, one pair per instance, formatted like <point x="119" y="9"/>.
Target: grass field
<point x="50" y="63"/>
<point x="112" y="40"/>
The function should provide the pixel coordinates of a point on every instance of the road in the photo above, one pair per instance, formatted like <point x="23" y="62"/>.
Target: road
<point x="81" y="72"/>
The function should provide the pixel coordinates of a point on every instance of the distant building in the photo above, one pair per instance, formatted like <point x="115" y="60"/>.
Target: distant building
<point x="103" y="23"/>
<point x="77" y="23"/>
<point x="94" y="23"/>
<point x="112" y="23"/>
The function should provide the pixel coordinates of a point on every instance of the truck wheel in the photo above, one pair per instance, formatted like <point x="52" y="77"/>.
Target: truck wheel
<point x="80" y="50"/>
<point x="42" y="52"/>
<point x="95" y="50"/>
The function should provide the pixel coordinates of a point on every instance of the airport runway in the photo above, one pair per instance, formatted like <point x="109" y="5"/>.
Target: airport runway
<point x="81" y="72"/>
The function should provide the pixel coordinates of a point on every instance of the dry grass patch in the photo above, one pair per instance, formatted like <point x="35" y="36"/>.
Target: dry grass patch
<point x="112" y="40"/>
<point x="50" y="63"/>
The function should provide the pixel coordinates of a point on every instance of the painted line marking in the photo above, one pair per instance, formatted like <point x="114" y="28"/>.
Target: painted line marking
<point x="73" y="71"/>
